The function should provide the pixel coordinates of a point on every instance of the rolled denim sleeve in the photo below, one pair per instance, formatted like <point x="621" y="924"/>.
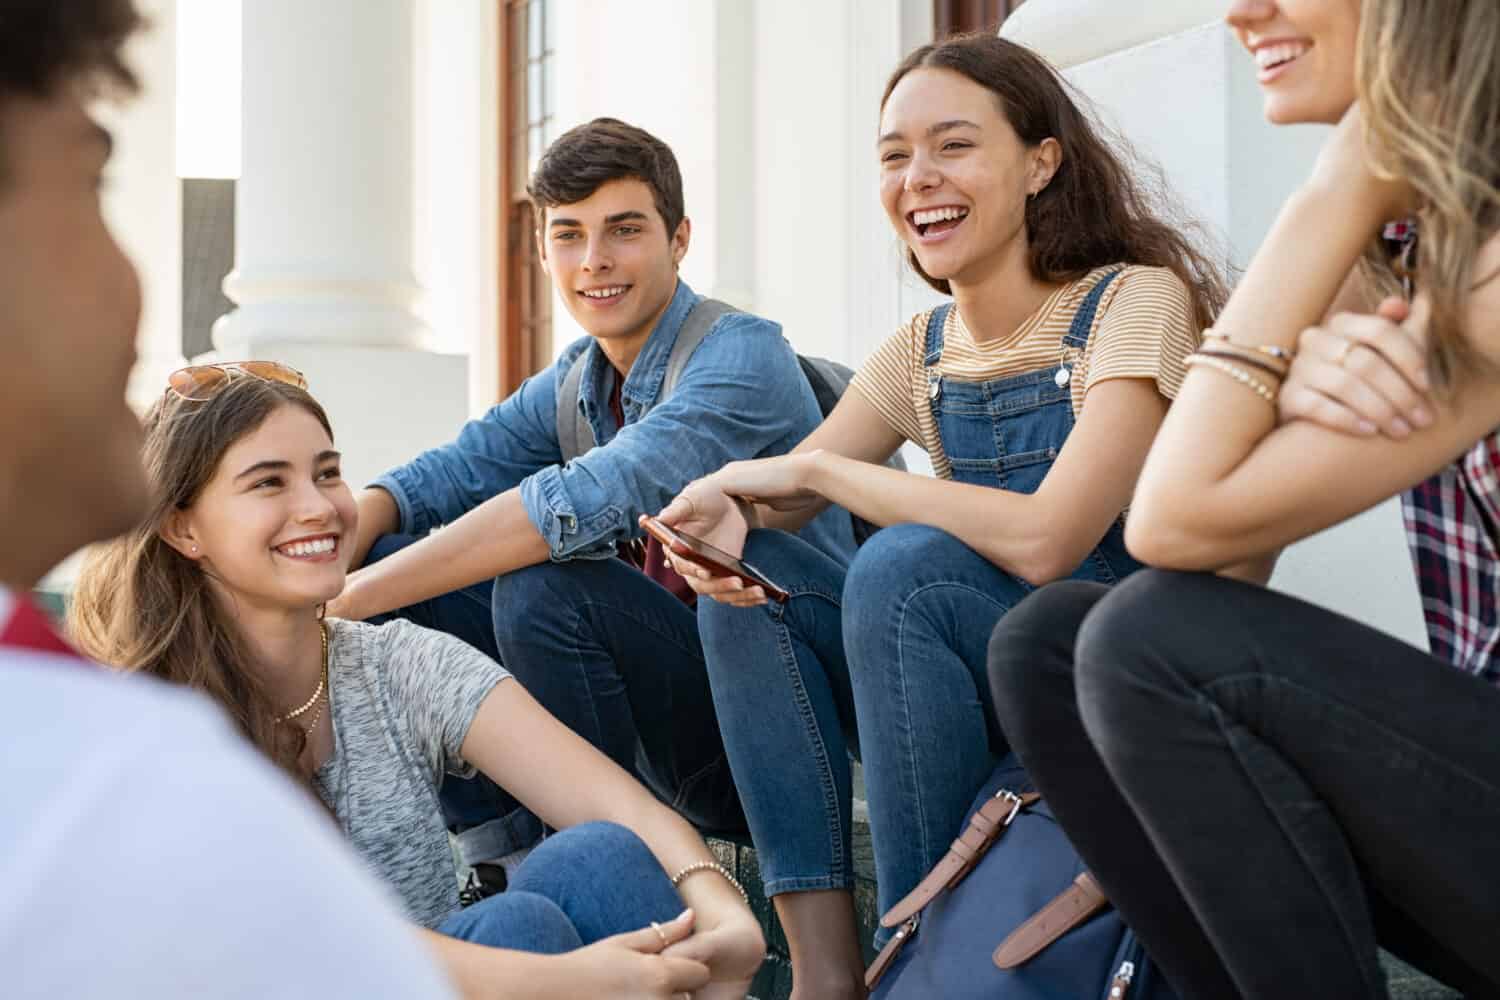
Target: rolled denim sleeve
<point x="741" y="393"/>
<point x="491" y="454"/>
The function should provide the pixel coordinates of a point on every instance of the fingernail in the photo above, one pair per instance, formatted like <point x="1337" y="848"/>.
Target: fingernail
<point x="686" y="914"/>
<point x="1421" y="417"/>
<point x="1365" y="427"/>
<point x="1400" y="427"/>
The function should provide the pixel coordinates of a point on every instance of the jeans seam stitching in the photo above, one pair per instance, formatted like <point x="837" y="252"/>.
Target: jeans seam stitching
<point x="820" y="749"/>
<point x="1312" y="870"/>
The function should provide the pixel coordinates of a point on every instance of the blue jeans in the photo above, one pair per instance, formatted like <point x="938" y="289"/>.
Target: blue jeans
<point x="615" y="657"/>
<point x="897" y="644"/>
<point x="579" y="886"/>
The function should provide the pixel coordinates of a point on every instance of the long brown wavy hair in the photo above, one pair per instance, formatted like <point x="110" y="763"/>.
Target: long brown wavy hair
<point x="1094" y="211"/>
<point x="1428" y="81"/>
<point x="140" y="605"/>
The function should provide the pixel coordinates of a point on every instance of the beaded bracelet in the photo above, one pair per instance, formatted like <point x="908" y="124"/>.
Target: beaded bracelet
<point x="1270" y="350"/>
<point x="711" y="866"/>
<point x="1246" y="356"/>
<point x="1237" y="373"/>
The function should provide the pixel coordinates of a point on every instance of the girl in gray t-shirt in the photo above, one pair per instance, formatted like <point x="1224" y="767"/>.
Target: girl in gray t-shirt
<point x="222" y="589"/>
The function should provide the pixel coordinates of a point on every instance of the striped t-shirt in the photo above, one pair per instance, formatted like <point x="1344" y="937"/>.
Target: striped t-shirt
<point x="1144" y="328"/>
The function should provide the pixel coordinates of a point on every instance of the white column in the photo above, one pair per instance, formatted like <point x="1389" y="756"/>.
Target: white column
<point x="323" y="275"/>
<point x="1173" y="80"/>
<point x="143" y="201"/>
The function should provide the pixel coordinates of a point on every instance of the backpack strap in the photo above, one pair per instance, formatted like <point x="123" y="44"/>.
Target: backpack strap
<point x="1083" y="319"/>
<point x="574" y="435"/>
<point x="1071" y="907"/>
<point x="698" y="324"/>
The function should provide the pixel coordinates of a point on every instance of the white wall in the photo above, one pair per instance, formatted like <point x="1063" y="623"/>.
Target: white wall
<point x="455" y="183"/>
<point x="1184" y="94"/>
<point x="771" y="107"/>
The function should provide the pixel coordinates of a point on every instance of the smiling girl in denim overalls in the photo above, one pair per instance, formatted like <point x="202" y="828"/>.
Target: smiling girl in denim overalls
<point x="1073" y="307"/>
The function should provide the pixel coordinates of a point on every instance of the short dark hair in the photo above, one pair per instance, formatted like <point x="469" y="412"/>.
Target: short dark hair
<point x="607" y="149"/>
<point x="45" y="44"/>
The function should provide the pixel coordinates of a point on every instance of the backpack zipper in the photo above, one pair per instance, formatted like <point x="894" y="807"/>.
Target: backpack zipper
<point x="1120" y="985"/>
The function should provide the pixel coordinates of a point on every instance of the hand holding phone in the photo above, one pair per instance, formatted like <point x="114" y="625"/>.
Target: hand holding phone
<point x="715" y="560"/>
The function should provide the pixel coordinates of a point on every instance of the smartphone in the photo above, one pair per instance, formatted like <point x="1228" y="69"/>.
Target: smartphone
<point x="715" y="560"/>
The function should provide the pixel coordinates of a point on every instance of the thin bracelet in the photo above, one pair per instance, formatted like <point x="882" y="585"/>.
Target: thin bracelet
<point x="1271" y="350"/>
<point x="1237" y="373"/>
<point x="1231" y="352"/>
<point x="711" y="866"/>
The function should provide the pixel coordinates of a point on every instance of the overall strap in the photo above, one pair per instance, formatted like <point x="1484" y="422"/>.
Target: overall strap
<point x="698" y="324"/>
<point x="932" y="349"/>
<point x="1083" y="320"/>
<point x="574" y="435"/>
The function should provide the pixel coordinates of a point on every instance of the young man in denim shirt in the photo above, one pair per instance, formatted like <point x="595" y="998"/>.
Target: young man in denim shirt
<point x="540" y="563"/>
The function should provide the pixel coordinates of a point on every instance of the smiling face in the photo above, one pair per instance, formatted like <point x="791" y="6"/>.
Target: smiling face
<point x="954" y="176"/>
<point x="270" y="527"/>
<point x="1304" y="51"/>
<point x="612" y="259"/>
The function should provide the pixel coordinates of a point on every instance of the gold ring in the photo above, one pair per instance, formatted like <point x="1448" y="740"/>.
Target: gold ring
<point x="659" y="933"/>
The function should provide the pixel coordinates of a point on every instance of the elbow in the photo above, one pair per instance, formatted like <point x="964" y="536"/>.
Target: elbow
<point x="1049" y="560"/>
<point x="1167" y="536"/>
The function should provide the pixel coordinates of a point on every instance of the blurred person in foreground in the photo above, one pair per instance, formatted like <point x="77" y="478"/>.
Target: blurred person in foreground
<point x="145" y="850"/>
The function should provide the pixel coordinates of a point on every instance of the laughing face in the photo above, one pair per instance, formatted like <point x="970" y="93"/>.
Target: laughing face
<point x="269" y="528"/>
<point x="612" y="260"/>
<point x="954" y="176"/>
<point x="1304" y="54"/>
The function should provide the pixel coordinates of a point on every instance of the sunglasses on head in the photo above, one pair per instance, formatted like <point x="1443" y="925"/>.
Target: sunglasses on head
<point x="198" y="383"/>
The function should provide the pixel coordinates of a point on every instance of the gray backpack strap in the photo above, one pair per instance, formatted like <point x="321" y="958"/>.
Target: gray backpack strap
<point x="700" y="320"/>
<point x="574" y="435"/>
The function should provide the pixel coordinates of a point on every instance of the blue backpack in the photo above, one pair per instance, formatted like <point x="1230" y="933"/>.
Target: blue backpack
<point x="1010" y="913"/>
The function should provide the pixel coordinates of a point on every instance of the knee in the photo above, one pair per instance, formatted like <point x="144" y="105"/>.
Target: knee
<point x="885" y="566"/>
<point x="1033" y="642"/>
<point x="583" y="853"/>
<point x="1151" y="634"/>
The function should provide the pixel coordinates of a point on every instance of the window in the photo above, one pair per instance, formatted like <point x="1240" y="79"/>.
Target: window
<point x="527" y="98"/>
<point x="953" y="17"/>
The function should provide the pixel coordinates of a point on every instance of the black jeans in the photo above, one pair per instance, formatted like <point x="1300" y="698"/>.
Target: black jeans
<point x="1264" y="788"/>
<point x="614" y="656"/>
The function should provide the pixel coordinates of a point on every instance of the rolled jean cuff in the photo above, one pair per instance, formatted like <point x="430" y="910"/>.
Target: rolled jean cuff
<point x="812" y="883"/>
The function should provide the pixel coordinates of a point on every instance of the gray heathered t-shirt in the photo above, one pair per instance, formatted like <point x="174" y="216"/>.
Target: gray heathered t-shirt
<point x="402" y="700"/>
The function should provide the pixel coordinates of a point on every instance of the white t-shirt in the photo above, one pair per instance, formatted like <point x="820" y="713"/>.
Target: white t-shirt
<point x="146" y="851"/>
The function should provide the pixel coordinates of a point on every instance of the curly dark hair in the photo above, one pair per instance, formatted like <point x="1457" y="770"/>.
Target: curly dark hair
<point x="1096" y="210"/>
<point x="588" y="156"/>
<point x="45" y="44"/>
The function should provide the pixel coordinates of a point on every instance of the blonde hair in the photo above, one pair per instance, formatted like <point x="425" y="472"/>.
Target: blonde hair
<point x="140" y="605"/>
<point x="1429" y="89"/>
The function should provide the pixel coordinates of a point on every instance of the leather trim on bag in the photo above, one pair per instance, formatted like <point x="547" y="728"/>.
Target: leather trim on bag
<point x="1071" y="907"/>
<point x="986" y="826"/>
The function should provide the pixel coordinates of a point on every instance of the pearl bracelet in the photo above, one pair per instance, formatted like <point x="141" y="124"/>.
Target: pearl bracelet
<point x="1235" y="372"/>
<point x="711" y="866"/>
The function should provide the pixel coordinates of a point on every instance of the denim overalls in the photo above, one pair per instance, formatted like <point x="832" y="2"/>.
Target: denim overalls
<point x="894" y="645"/>
<point x="1007" y="432"/>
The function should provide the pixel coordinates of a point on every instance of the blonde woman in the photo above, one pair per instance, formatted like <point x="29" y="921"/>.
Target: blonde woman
<point x="222" y="588"/>
<point x="1268" y="790"/>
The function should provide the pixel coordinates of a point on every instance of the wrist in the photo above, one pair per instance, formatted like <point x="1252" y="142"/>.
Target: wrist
<point x="812" y="470"/>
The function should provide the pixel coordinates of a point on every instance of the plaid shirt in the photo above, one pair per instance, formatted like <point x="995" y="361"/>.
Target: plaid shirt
<point x="1453" y="530"/>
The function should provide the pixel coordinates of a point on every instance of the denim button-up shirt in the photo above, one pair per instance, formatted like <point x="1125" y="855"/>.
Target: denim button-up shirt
<point x="741" y="395"/>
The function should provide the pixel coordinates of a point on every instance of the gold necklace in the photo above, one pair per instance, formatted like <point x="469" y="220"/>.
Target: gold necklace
<point x="318" y="693"/>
